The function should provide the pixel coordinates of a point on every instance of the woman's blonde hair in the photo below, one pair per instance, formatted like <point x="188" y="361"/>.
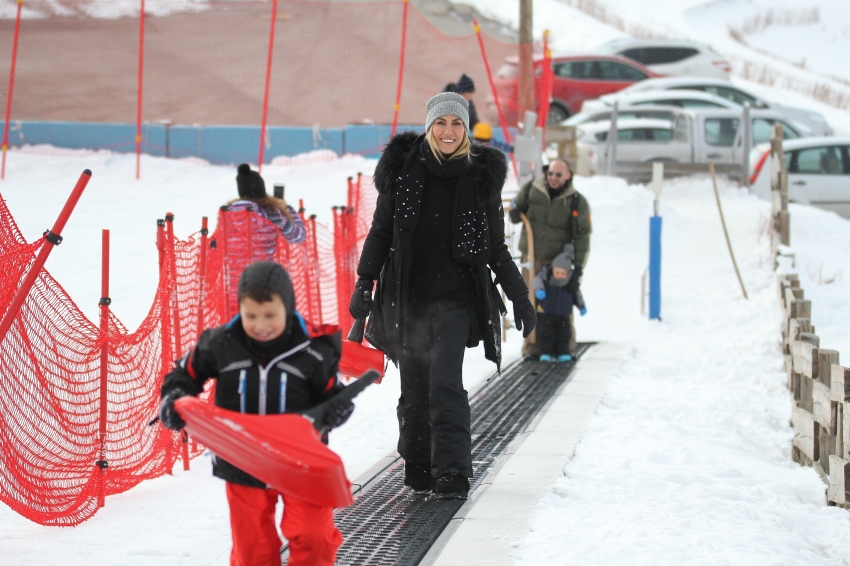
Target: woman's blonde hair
<point x="268" y="202"/>
<point x="463" y="150"/>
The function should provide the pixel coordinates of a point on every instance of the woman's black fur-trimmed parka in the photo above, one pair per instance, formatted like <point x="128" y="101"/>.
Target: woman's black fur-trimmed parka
<point x="383" y="259"/>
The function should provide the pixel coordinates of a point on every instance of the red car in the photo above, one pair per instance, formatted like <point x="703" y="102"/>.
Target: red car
<point x="577" y="78"/>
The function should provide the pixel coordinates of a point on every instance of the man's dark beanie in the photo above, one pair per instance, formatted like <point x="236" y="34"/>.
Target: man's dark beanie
<point x="464" y="84"/>
<point x="249" y="183"/>
<point x="272" y="276"/>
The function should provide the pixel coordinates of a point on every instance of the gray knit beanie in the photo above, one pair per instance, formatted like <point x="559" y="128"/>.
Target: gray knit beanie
<point x="565" y="258"/>
<point x="447" y="104"/>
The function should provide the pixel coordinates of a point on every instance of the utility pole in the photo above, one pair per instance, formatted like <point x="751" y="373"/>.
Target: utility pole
<point x="525" y="100"/>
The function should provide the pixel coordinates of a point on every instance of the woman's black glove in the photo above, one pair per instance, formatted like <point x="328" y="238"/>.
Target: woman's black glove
<point x="361" y="300"/>
<point x="338" y="412"/>
<point x="524" y="316"/>
<point x="167" y="414"/>
<point x="575" y="280"/>
<point x="513" y="214"/>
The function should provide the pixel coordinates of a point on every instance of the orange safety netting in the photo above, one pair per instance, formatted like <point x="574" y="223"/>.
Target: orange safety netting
<point x="55" y="468"/>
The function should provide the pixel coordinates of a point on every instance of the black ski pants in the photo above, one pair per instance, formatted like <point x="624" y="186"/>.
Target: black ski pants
<point x="433" y="410"/>
<point x="553" y="334"/>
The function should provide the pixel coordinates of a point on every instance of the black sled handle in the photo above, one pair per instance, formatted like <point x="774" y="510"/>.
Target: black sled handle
<point x="316" y="415"/>
<point x="356" y="332"/>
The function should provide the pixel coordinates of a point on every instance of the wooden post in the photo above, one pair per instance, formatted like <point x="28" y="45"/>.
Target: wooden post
<point x="781" y="232"/>
<point x="725" y="231"/>
<point x="526" y="60"/>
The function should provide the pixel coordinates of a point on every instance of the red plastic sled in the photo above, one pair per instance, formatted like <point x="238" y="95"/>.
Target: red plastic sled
<point x="283" y="451"/>
<point x="356" y="358"/>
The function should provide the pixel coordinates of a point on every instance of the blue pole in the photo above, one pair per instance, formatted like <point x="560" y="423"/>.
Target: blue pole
<point x="655" y="267"/>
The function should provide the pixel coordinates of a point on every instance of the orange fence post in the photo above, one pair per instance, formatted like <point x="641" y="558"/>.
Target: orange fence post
<point x="202" y="273"/>
<point x="175" y="309"/>
<point x="315" y="261"/>
<point x="225" y="270"/>
<point x="104" y="303"/>
<point x="139" y="101"/>
<point x="11" y="85"/>
<point x="477" y="29"/>
<point x="266" y="95"/>
<point x="400" y="68"/>
<point x="53" y="237"/>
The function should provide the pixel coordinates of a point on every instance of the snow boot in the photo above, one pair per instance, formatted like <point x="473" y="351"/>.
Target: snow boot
<point x="417" y="476"/>
<point x="452" y="487"/>
<point x="545" y="358"/>
<point x="565" y="358"/>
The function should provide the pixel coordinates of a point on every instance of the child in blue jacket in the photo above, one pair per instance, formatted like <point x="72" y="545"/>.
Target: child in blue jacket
<point x="555" y="306"/>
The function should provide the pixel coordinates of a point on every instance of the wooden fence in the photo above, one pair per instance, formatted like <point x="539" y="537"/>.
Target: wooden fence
<point x="819" y="386"/>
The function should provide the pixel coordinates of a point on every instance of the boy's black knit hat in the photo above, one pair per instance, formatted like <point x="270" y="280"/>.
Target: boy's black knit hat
<point x="464" y="84"/>
<point x="249" y="183"/>
<point x="272" y="276"/>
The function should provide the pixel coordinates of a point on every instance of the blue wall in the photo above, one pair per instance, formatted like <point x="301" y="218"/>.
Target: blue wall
<point x="223" y="145"/>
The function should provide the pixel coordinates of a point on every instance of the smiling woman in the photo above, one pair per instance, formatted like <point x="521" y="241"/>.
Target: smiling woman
<point x="437" y="232"/>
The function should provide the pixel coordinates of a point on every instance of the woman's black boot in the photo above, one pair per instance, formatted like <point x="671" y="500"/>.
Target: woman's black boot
<point x="417" y="476"/>
<point x="452" y="487"/>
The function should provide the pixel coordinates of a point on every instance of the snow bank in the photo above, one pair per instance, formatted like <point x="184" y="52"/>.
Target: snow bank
<point x="688" y="459"/>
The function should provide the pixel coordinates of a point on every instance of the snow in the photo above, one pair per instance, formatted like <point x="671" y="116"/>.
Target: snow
<point x="180" y="519"/>
<point x="101" y="9"/>
<point x="688" y="458"/>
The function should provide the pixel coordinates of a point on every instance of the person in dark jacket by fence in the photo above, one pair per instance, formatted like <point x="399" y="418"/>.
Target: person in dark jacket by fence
<point x="267" y="360"/>
<point x="465" y="87"/>
<point x="437" y="232"/>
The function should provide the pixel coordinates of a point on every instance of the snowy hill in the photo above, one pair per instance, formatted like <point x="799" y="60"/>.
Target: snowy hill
<point x="793" y="54"/>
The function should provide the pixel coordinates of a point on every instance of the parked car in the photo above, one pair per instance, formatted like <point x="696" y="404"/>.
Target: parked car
<point x="818" y="172"/>
<point x="692" y="136"/>
<point x="577" y="78"/>
<point x="811" y="119"/>
<point x="673" y="57"/>
<point x="623" y="113"/>
<point x="678" y="98"/>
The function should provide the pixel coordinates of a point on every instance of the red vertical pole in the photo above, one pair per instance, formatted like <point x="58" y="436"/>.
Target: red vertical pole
<point x="104" y="303"/>
<point x="11" y="85"/>
<point x="225" y="262"/>
<point x="315" y="262"/>
<point x="169" y="229"/>
<point x="202" y="274"/>
<point x="249" y="229"/>
<point x="139" y="102"/>
<point x="400" y="68"/>
<point x="268" y="82"/>
<point x="495" y="94"/>
<point x="53" y="238"/>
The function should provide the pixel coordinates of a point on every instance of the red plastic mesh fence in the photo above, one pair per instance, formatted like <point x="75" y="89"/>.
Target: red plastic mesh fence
<point x="334" y="63"/>
<point x="50" y="361"/>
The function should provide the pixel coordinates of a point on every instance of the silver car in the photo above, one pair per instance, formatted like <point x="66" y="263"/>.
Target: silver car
<point x="675" y="57"/>
<point x="818" y="172"/>
<point x="810" y="118"/>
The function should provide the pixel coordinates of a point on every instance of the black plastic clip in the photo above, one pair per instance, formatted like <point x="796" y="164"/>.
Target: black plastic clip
<point x="224" y="208"/>
<point x="213" y="244"/>
<point x="104" y="301"/>
<point x="54" y="239"/>
<point x="204" y="231"/>
<point x="312" y="217"/>
<point x="169" y="218"/>
<point x="102" y="464"/>
<point x="160" y="222"/>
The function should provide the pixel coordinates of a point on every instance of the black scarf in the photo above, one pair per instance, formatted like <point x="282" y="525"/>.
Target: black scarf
<point x="470" y="230"/>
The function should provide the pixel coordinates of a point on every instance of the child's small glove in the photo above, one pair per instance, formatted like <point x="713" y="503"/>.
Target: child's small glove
<point x="583" y="311"/>
<point x="167" y="414"/>
<point x="540" y="294"/>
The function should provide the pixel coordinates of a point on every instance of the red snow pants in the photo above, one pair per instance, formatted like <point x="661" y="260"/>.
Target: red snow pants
<point x="313" y="537"/>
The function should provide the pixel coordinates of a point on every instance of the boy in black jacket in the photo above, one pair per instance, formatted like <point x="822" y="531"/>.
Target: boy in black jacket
<point x="267" y="360"/>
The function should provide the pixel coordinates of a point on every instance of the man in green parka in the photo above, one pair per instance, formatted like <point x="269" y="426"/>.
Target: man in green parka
<point x="558" y="215"/>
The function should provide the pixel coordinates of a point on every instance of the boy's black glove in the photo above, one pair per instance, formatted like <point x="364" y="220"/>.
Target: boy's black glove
<point x="167" y="414"/>
<point x="361" y="300"/>
<point x="338" y="412"/>
<point x="513" y="214"/>
<point x="575" y="280"/>
<point x="524" y="316"/>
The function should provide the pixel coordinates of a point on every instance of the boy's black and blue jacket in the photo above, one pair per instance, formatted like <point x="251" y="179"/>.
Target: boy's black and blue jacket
<point x="557" y="301"/>
<point x="299" y="374"/>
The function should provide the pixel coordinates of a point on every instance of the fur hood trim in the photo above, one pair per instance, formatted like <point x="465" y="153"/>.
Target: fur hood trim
<point x="491" y="167"/>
